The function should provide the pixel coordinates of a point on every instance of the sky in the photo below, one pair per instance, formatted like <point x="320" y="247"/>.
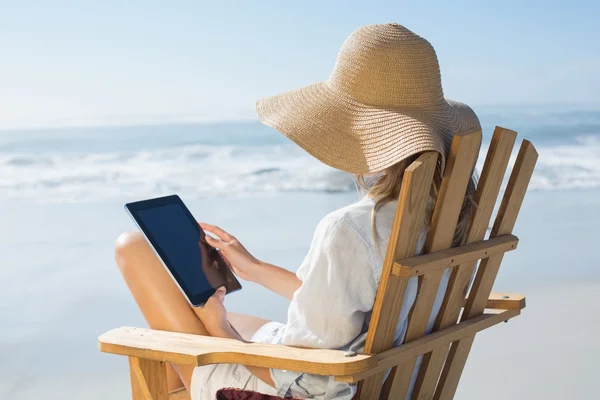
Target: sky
<point x="114" y="61"/>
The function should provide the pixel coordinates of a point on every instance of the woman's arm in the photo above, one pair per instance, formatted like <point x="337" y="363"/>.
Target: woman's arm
<point x="277" y="279"/>
<point x="247" y="267"/>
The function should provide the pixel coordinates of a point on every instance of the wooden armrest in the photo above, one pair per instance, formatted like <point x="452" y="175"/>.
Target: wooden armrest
<point x="183" y="348"/>
<point x="505" y="301"/>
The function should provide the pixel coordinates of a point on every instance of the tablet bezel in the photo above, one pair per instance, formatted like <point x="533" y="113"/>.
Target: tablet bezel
<point x="194" y="299"/>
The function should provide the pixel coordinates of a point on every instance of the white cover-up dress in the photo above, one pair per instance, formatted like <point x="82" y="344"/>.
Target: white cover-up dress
<point x="332" y="308"/>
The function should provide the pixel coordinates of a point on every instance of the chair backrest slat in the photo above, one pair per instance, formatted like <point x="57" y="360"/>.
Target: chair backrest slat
<point x="504" y="223"/>
<point x="488" y="188"/>
<point x="488" y="269"/>
<point x="442" y="367"/>
<point x="459" y="168"/>
<point x="408" y="220"/>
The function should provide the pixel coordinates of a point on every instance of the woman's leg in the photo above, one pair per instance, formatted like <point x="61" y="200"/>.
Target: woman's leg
<point x="162" y="304"/>
<point x="246" y="325"/>
<point x="157" y="296"/>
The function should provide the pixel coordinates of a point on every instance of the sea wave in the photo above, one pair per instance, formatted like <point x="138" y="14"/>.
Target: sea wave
<point x="206" y="171"/>
<point x="192" y="171"/>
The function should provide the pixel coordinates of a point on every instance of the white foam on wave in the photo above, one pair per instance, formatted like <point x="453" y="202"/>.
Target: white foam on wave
<point x="563" y="167"/>
<point x="192" y="171"/>
<point x="207" y="171"/>
<point x="566" y="167"/>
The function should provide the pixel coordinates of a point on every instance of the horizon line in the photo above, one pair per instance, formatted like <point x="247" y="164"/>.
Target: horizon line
<point x="126" y="121"/>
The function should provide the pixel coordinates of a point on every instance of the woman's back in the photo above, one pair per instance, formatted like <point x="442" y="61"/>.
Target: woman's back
<point x="340" y="276"/>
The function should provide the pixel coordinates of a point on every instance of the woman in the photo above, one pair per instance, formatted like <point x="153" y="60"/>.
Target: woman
<point x="381" y="107"/>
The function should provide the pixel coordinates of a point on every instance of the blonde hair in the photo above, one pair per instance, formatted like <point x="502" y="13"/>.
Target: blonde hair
<point x="387" y="186"/>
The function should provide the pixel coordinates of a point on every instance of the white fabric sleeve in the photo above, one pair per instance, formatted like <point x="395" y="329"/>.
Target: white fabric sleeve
<point x="337" y="293"/>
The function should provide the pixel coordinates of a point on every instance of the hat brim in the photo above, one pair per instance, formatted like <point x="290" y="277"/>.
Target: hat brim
<point x="359" y="138"/>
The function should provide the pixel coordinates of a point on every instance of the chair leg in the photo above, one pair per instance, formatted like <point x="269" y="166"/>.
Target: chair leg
<point x="148" y="379"/>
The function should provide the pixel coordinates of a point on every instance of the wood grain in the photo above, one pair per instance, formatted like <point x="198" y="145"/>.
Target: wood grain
<point x="488" y="269"/>
<point x="139" y="387"/>
<point x="408" y="222"/>
<point x="183" y="348"/>
<point x="148" y="379"/>
<point x="461" y="162"/>
<point x="486" y="194"/>
<point x="179" y="394"/>
<point x="505" y="301"/>
<point x="439" y="260"/>
<point x="410" y="351"/>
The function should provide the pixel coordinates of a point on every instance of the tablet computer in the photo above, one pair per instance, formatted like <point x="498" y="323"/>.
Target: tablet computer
<point x="177" y="239"/>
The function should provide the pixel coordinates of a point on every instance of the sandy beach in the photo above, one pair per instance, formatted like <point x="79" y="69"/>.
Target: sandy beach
<point x="60" y="289"/>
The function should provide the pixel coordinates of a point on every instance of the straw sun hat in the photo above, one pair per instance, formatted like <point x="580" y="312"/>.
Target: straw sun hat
<point x="382" y="103"/>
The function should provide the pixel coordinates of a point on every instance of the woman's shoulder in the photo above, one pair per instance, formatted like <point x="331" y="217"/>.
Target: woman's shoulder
<point x="354" y="220"/>
<point x="357" y="216"/>
<point x="345" y="237"/>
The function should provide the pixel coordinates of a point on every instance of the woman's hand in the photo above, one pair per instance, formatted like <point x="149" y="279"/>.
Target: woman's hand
<point x="213" y="315"/>
<point x="242" y="263"/>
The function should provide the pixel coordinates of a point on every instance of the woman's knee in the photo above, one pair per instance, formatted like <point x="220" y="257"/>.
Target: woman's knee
<point x="130" y="246"/>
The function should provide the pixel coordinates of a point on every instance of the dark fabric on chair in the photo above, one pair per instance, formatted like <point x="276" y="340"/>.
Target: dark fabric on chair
<point x="237" y="394"/>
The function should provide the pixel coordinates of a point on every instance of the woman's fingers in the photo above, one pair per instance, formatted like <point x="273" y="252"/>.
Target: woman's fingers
<point x="217" y="231"/>
<point x="216" y="242"/>
<point x="220" y="294"/>
<point x="211" y="240"/>
<point x="225" y="258"/>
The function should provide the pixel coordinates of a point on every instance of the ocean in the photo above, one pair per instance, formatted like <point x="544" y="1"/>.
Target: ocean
<point x="61" y="208"/>
<point x="97" y="164"/>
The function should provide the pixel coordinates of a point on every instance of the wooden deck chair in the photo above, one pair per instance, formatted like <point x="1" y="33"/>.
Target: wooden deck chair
<point x="445" y="350"/>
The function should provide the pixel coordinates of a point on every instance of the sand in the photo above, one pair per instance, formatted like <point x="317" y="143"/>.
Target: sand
<point x="59" y="289"/>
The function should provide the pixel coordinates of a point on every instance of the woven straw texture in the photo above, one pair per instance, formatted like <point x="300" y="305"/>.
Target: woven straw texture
<point x="382" y="103"/>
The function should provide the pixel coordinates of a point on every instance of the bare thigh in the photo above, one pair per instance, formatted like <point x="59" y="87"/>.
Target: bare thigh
<point x="246" y="325"/>
<point x="164" y="307"/>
